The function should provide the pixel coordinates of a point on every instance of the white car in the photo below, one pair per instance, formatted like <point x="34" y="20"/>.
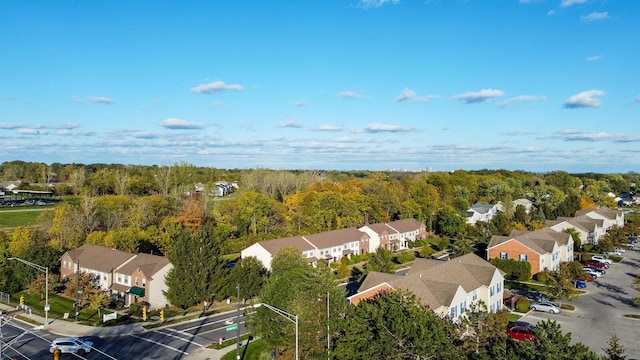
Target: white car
<point x="620" y="250"/>
<point x="601" y="259"/>
<point x="71" y="345"/>
<point x="545" y="306"/>
<point x="591" y="272"/>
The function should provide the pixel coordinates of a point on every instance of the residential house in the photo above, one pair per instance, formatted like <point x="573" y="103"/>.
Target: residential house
<point x="127" y="276"/>
<point x="544" y="249"/>
<point x="142" y="280"/>
<point x="528" y="204"/>
<point x="449" y="288"/>
<point x="611" y="217"/>
<point x="395" y="235"/>
<point x="482" y="212"/>
<point x="328" y="245"/>
<point x="93" y="259"/>
<point x="589" y="229"/>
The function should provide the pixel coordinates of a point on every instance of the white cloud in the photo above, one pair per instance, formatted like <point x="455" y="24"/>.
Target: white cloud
<point x="567" y="3"/>
<point x="180" y="124"/>
<point x="584" y="99"/>
<point x="479" y="96"/>
<point x="593" y="58"/>
<point x="595" y="16"/>
<point x="216" y="87"/>
<point x="300" y="103"/>
<point x="376" y="3"/>
<point x="95" y="99"/>
<point x="218" y="103"/>
<point x="327" y="127"/>
<point x="522" y="98"/>
<point x="9" y="126"/>
<point x="33" y="131"/>
<point x="292" y="123"/>
<point x="551" y="12"/>
<point x="406" y="95"/>
<point x="349" y="95"/>
<point x="578" y="135"/>
<point x="377" y="127"/>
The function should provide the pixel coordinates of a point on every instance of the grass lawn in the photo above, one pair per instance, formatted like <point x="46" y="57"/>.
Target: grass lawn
<point x="251" y="351"/>
<point x="13" y="219"/>
<point x="58" y="307"/>
<point x="513" y="317"/>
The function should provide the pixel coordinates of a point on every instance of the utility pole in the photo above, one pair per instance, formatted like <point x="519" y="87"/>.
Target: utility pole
<point x="0" y="335"/>
<point x="237" y="326"/>
<point x="77" y="286"/>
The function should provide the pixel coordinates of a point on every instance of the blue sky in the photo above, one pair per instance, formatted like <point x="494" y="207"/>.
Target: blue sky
<point x="537" y="85"/>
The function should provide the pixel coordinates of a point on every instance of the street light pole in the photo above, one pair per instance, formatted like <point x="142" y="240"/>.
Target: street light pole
<point x="45" y="269"/>
<point x="237" y="326"/>
<point x="291" y="317"/>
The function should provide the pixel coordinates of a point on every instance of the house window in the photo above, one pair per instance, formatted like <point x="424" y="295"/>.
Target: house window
<point x="144" y="282"/>
<point x="492" y="309"/>
<point x="498" y="287"/>
<point x="136" y="281"/>
<point x="463" y="307"/>
<point x="64" y="264"/>
<point x="491" y="291"/>
<point x="454" y="312"/>
<point x="126" y="280"/>
<point x="523" y="257"/>
<point x="119" y="278"/>
<point x="475" y="295"/>
<point x="504" y="255"/>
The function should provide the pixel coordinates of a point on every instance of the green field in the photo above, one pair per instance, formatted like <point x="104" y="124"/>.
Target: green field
<point x="12" y="218"/>
<point x="248" y="352"/>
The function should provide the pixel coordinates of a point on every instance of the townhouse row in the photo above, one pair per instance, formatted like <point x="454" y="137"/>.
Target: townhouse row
<point x="546" y="248"/>
<point x="132" y="278"/>
<point x="335" y="244"/>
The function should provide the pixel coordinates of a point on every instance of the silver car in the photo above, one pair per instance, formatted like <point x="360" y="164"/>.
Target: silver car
<point x="545" y="306"/>
<point x="71" y="345"/>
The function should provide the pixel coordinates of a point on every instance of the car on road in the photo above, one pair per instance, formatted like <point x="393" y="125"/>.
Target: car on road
<point x="601" y="259"/>
<point x="589" y="278"/>
<point x="545" y="306"/>
<point x="596" y="264"/>
<point x="71" y="345"/>
<point x="520" y="333"/>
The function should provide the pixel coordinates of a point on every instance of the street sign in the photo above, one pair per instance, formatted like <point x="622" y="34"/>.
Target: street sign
<point x="47" y="308"/>
<point x="232" y="327"/>
<point x="79" y="291"/>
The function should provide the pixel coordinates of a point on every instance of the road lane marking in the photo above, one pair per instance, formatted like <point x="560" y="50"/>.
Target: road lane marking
<point x="161" y="344"/>
<point x="178" y="337"/>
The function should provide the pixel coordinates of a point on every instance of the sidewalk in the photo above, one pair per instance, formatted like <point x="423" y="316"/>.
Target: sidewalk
<point x="70" y="328"/>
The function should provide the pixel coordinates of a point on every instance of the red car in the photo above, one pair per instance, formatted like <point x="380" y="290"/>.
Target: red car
<point x="520" y="333"/>
<point x="589" y="279"/>
<point x="597" y="264"/>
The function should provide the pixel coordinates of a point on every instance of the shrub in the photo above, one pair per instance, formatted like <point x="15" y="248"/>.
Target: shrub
<point x="515" y="270"/>
<point x="542" y="277"/>
<point x="426" y="251"/>
<point x="343" y="271"/>
<point x="441" y="243"/>
<point x="522" y="305"/>
<point x="405" y="257"/>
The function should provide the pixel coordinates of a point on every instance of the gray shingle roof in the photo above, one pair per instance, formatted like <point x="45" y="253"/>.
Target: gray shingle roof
<point x="99" y="258"/>
<point x="147" y="263"/>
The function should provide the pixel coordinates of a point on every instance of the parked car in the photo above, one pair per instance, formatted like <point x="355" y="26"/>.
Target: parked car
<point x="591" y="272"/>
<point x="589" y="278"/>
<point x="579" y="284"/>
<point x="600" y="271"/>
<point x="520" y="333"/>
<point x="520" y="323"/>
<point x="545" y="306"/>
<point x="596" y="264"/>
<point x="601" y="259"/>
<point x="71" y="345"/>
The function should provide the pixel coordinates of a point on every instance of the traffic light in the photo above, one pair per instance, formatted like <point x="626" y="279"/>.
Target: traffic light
<point x="161" y="314"/>
<point x="144" y="313"/>
<point x="21" y="300"/>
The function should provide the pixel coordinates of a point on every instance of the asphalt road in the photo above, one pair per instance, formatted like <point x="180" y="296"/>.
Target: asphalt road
<point x="600" y="312"/>
<point x="172" y="342"/>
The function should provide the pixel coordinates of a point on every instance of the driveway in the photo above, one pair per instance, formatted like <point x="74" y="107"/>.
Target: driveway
<point x="599" y="312"/>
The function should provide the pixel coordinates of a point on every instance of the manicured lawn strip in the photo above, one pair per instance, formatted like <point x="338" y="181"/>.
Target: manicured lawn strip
<point x="13" y="219"/>
<point x="252" y="351"/>
<point x="513" y="317"/>
<point x="58" y="306"/>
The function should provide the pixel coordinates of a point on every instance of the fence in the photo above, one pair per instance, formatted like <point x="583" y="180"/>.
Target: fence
<point x="5" y="298"/>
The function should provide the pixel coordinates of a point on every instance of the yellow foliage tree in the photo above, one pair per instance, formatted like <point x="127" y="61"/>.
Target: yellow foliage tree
<point x="20" y="240"/>
<point x="586" y="202"/>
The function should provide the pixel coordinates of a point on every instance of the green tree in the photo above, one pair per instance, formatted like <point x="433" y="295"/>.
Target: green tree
<point x="392" y="325"/>
<point x="550" y="344"/>
<point x="198" y="271"/>
<point x="298" y="289"/>
<point x="449" y="222"/>
<point x="250" y="274"/>
<point x="615" y="350"/>
<point x="381" y="261"/>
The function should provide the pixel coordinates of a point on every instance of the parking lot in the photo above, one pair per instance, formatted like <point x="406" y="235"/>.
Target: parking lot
<point x="599" y="313"/>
